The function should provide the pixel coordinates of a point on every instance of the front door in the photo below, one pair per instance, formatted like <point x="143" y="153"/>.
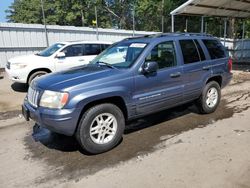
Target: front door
<point x="74" y="56"/>
<point x="164" y="88"/>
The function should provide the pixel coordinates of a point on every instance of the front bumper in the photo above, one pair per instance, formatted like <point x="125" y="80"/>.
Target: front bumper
<point x="63" y="121"/>
<point x="19" y="75"/>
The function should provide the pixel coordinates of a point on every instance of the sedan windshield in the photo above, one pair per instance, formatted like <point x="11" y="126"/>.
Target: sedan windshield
<point x="50" y="50"/>
<point x="121" y="55"/>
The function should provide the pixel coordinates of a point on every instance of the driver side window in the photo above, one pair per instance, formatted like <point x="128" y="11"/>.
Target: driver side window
<point x="163" y="54"/>
<point x="73" y="50"/>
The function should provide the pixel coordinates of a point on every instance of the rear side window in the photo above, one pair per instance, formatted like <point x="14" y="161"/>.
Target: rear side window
<point x="104" y="46"/>
<point x="215" y="49"/>
<point x="92" y="49"/>
<point x="163" y="54"/>
<point x="189" y="51"/>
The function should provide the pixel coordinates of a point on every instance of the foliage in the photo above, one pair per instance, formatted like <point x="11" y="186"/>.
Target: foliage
<point x="116" y="14"/>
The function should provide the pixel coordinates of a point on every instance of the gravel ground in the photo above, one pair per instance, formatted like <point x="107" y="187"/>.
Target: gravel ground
<point x="173" y="148"/>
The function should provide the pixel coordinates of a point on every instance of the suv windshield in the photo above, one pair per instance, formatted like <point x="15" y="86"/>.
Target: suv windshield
<point x="121" y="55"/>
<point x="50" y="50"/>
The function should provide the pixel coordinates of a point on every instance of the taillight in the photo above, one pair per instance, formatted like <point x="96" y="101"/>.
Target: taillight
<point x="230" y="64"/>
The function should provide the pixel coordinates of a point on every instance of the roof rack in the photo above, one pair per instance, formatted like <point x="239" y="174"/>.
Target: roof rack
<point x="170" y="35"/>
<point x="143" y="36"/>
<point x="180" y="34"/>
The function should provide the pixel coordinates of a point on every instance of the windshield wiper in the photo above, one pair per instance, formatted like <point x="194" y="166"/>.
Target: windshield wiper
<point x="106" y="64"/>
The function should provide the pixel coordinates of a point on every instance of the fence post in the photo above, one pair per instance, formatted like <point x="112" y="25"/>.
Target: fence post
<point x="45" y="25"/>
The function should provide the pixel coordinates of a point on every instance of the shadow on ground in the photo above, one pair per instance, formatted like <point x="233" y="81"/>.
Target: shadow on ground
<point x="19" y="87"/>
<point x="141" y="137"/>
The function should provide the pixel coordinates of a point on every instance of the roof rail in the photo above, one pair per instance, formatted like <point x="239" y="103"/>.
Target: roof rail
<point x="198" y="34"/>
<point x="179" y="34"/>
<point x="138" y="37"/>
<point x="170" y="35"/>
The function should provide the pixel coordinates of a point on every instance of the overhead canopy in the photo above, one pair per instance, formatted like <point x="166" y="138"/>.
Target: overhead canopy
<point x="223" y="8"/>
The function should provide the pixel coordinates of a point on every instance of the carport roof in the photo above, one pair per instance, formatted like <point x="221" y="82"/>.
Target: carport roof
<point x="222" y="8"/>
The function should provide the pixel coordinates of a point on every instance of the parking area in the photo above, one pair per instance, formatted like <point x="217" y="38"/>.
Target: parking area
<point x="173" y="148"/>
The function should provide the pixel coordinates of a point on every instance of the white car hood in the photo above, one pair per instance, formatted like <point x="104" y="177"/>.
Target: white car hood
<point x="27" y="59"/>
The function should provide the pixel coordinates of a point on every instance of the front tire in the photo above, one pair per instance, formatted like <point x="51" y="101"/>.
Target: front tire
<point x="210" y="98"/>
<point x="100" y="128"/>
<point x="36" y="75"/>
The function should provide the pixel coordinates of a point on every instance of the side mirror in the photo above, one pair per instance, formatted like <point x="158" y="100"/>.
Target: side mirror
<point x="150" y="67"/>
<point x="60" y="55"/>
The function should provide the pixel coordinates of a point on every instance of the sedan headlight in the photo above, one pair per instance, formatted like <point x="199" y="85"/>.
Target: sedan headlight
<point x="52" y="99"/>
<point x="18" y="66"/>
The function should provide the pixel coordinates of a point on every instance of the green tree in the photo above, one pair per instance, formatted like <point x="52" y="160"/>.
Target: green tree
<point x="27" y="11"/>
<point x="111" y="13"/>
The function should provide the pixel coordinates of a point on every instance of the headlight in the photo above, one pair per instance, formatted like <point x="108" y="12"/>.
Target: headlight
<point x="52" y="99"/>
<point x="18" y="66"/>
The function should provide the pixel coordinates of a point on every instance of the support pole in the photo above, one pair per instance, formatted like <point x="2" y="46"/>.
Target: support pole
<point x="45" y="25"/>
<point x="133" y="20"/>
<point x="225" y="30"/>
<point x="243" y="30"/>
<point x="206" y="27"/>
<point x="172" y="23"/>
<point x="97" y="33"/>
<point x="242" y="40"/>
<point x="162" y="16"/>
<point x="202" y="24"/>
<point x="186" y="29"/>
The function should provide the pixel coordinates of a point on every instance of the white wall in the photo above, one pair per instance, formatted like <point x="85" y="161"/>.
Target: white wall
<point x="20" y="39"/>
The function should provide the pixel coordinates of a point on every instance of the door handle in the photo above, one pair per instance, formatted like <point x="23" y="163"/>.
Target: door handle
<point x="81" y="60"/>
<point x="206" y="67"/>
<point x="175" y="75"/>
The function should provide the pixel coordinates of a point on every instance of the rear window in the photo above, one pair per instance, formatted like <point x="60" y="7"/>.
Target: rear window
<point x="215" y="49"/>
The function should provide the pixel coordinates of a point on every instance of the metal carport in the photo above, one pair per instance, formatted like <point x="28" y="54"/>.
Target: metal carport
<point x="214" y="8"/>
<point x="219" y="8"/>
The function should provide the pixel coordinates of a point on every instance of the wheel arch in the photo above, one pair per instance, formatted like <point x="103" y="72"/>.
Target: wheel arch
<point x="36" y="70"/>
<point x="216" y="78"/>
<point x="116" y="100"/>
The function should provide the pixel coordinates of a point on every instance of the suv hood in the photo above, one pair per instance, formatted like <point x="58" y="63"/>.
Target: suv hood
<point x="26" y="59"/>
<point x="86" y="76"/>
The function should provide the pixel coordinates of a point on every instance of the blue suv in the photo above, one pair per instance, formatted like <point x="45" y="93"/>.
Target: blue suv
<point x="130" y="79"/>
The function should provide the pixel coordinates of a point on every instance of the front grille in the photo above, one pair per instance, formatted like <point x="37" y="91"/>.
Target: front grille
<point x="8" y="65"/>
<point x="33" y="96"/>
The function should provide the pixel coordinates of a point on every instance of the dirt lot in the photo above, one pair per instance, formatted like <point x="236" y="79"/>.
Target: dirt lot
<point x="174" y="148"/>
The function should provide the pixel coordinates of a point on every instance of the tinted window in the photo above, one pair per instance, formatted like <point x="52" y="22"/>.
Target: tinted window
<point x="163" y="54"/>
<point x="215" y="49"/>
<point x="201" y="53"/>
<point x="92" y="49"/>
<point x="73" y="50"/>
<point x="104" y="46"/>
<point x="189" y="51"/>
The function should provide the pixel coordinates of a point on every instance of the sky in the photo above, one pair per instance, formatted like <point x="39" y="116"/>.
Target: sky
<point x="4" y="4"/>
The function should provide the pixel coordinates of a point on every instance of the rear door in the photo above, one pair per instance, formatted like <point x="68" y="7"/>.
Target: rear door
<point x="218" y="56"/>
<point x="196" y="68"/>
<point x="164" y="88"/>
<point x="91" y="51"/>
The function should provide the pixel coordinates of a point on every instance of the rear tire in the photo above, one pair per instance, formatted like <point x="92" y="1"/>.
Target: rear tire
<point x="210" y="98"/>
<point x="100" y="128"/>
<point x="36" y="75"/>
